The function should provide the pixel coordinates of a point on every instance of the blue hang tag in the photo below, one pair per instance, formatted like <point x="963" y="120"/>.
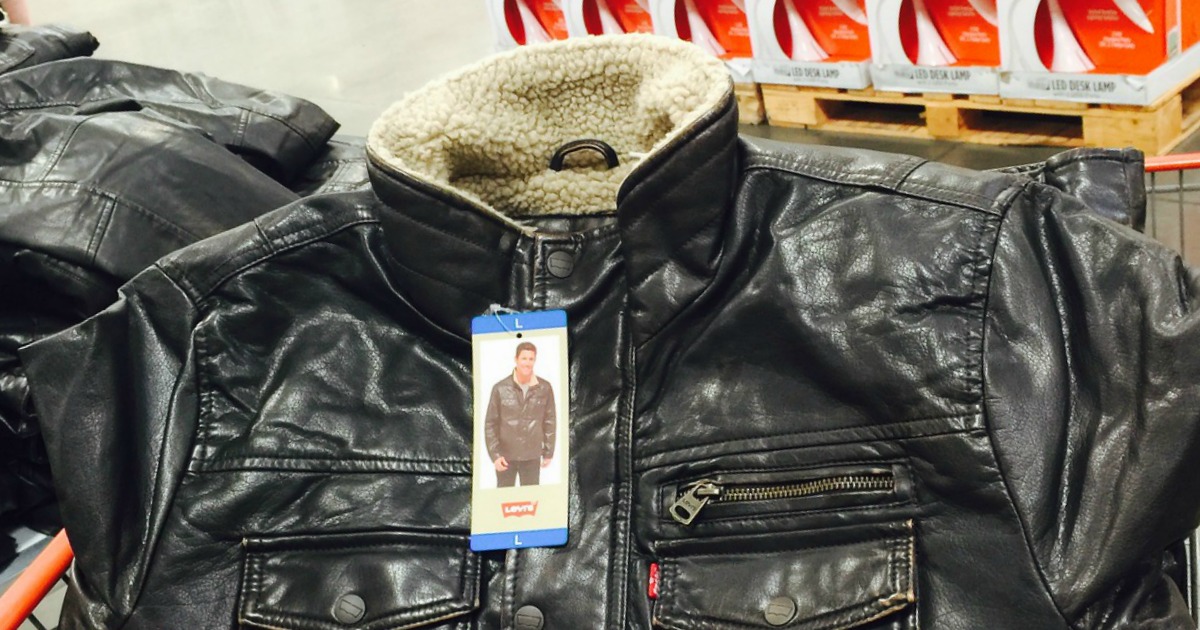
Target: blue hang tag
<point x="520" y="455"/>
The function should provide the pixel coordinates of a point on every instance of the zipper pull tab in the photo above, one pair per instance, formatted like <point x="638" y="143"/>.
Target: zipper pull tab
<point x="695" y="496"/>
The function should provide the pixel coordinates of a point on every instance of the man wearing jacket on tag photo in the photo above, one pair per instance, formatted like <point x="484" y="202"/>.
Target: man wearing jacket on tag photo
<point x="520" y="423"/>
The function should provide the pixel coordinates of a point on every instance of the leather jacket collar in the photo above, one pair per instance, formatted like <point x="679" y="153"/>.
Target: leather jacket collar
<point x="668" y="207"/>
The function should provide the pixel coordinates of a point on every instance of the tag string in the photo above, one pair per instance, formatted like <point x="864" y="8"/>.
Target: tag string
<point x="496" y="310"/>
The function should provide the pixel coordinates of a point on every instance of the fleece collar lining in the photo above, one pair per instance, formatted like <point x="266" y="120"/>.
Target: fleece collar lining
<point x="487" y="133"/>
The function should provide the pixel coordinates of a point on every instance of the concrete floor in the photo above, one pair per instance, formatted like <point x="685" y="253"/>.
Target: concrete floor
<point x="355" y="57"/>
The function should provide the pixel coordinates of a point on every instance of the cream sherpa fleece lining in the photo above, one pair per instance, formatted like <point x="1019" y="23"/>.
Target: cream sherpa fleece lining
<point x="487" y="132"/>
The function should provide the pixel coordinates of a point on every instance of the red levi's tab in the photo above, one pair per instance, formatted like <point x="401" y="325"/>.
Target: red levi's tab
<point x="652" y="588"/>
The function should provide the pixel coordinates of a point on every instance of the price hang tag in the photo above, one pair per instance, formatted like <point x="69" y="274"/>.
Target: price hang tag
<point x="520" y="455"/>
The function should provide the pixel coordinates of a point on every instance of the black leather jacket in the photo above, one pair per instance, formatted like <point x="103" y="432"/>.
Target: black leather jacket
<point x="520" y="425"/>
<point x="107" y="167"/>
<point x="984" y="392"/>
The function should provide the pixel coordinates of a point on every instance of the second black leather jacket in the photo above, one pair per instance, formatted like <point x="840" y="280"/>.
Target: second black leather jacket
<point x="106" y="167"/>
<point x="927" y="397"/>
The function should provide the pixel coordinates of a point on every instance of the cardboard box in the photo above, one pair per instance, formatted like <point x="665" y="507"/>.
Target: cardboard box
<point x="1190" y="20"/>
<point x="1097" y="51"/>
<point x="810" y="42"/>
<point x="718" y="26"/>
<point x="935" y="45"/>
<point x="608" y="17"/>
<point x="520" y="22"/>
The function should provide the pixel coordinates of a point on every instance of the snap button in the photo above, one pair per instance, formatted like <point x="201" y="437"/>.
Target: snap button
<point x="350" y="608"/>
<point x="780" y="610"/>
<point x="560" y="263"/>
<point x="529" y="618"/>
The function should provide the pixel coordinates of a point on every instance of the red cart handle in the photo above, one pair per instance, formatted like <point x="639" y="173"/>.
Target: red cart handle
<point x="1177" y="162"/>
<point x="34" y="582"/>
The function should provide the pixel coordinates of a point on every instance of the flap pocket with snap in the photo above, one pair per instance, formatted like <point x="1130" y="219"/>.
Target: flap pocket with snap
<point x="812" y="580"/>
<point x="362" y="581"/>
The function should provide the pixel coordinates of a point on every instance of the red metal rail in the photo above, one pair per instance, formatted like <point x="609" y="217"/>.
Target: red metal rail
<point x="1176" y="162"/>
<point x="34" y="582"/>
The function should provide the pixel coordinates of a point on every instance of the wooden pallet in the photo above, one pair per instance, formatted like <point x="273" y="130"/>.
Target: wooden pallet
<point x="1155" y="129"/>
<point x="750" y="104"/>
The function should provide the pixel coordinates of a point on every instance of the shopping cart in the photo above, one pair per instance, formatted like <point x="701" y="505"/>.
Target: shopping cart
<point x="1171" y="182"/>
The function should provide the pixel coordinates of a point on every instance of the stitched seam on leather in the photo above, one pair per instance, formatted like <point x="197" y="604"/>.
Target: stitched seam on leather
<point x="904" y="178"/>
<point x="988" y="430"/>
<point x="243" y="122"/>
<point x="266" y="239"/>
<point x="815" y="431"/>
<point x="107" y="194"/>
<point x="974" y="338"/>
<point x="799" y="513"/>
<point x="839" y="616"/>
<point x="435" y="280"/>
<point x="218" y="104"/>
<point x="637" y="284"/>
<point x="322" y="232"/>
<point x="698" y="170"/>
<point x="869" y="540"/>
<point x="313" y="549"/>
<point x="446" y="460"/>
<point x="453" y="235"/>
<point x="93" y="246"/>
<point x="150" y="543"/>
<point x="986" y="205"/>
<point x="59" y="150"/>
<point x="410" y="616"/>
<point x="623" y="506"/>
<point x="775" y="161"/>
<point x="341" y="467"/>
<point x="207" y="400"/>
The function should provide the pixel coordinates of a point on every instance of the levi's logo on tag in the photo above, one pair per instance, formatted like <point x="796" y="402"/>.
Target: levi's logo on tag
<point x="519" y="508"/>
<point x="519" y="471"/>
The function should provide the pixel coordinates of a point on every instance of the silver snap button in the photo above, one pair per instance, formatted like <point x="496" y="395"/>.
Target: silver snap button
<point x="560" y="263"/>
<point x="350" y="608"/>
<point x="780" y="610"/>
<point x="529" y="618"/>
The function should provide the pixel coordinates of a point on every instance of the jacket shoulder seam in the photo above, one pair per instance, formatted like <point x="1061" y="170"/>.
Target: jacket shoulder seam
<point x="274" y="250"/>
<point x="986" y="416"/>
<point x="271" y="248"/>
<point x="904" y="187"/>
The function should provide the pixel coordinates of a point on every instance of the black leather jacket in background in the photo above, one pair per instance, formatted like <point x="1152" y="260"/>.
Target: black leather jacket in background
<point x="108" y="166"/>
<point x="27" y="46"/>
<point x="280" y="416"/>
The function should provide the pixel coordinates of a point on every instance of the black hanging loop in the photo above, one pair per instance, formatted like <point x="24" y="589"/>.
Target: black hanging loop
<point x="599" y="146"/>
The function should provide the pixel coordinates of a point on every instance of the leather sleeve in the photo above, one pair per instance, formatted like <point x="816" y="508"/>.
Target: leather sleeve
<point x="1091" y="363"/>
<point x="491" y="425"/>
<point x="549" y="427"/>
<point x="117" y="400"/>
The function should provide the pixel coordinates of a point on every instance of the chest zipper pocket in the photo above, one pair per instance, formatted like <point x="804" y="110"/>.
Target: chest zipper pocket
<point x="752" y="493"/>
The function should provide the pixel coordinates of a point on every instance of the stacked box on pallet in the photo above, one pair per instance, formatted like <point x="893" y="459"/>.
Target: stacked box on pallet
<point x="935" y="45"/>
<point x="1128" y="52"/>
<point x="520" y="22"/>
<point x="607" y="17"/>
<point x="720" y="27"/>
<point x="820" y="43"/>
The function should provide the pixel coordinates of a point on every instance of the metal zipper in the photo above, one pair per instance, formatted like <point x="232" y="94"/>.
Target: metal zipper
<point x="694" y="496"/>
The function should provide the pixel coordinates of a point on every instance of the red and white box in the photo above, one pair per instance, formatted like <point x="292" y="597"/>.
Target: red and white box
<point x="1097" y="51"/>
<point x="810" y="42"/>
<point x="520" y="22"/>
<point x="608" y="17"/>
<point x="935" y="45"/>
<point x="718" y="26"/>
